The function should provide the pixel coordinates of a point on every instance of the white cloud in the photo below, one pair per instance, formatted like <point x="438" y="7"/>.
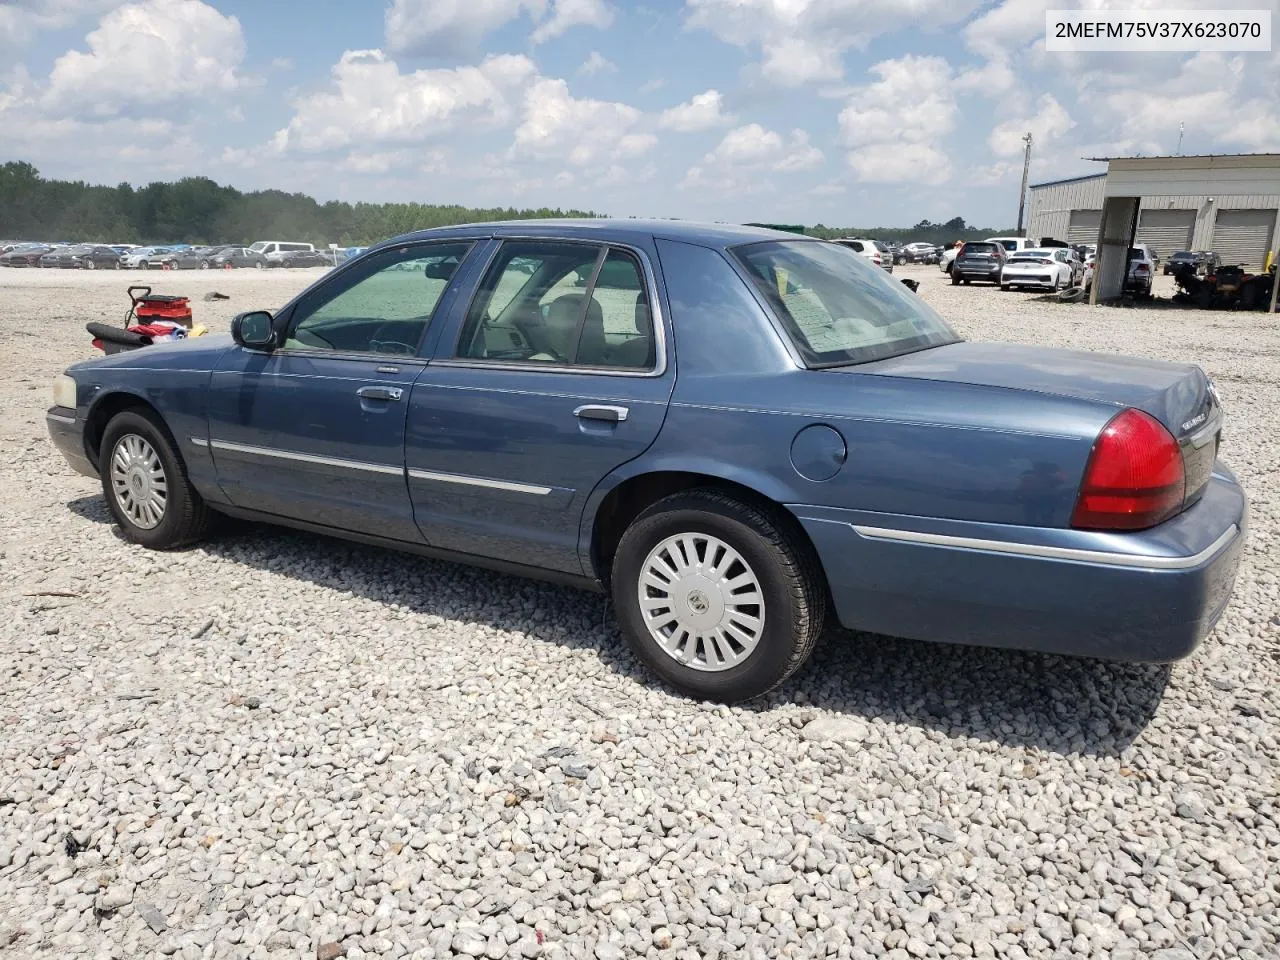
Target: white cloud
<point x="742" y="160"/>
<point x="447" y="28"/>
<point x="566" y="14"/>
<point x="902" y="162"/>
<point x="994" y="78"/>
<point x="582" y="133"/>
<point x="803" y="41"/>
<point x="1048" y="124"/>
<point x="703" y="112"/>
<point x="595" y="63"/>
<point x="654" y="85"/>
<point x="23" y="19"/>
<point x="895" y="124"/>
<point x="372" y="102"/>
<point x="194" y="48"/>
<point x="1012" y="24"/>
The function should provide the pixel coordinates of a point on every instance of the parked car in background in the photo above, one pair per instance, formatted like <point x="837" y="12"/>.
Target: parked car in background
<point x="347" y="253"/>
<point x="289" y="259"/>
<point x="1142" y="270"/>
<point x="979" y="260"/>
<point x="1048" y="269"/>
<point x="1013" y="244"/>
<point x="1203" y="262"/>
<point x="1090" y="272"/>
<point x="135" y="258"/>
<point x="82" y="256"/>
<point x="1009" y="495"/>
<point x="24" y="255"/>
<point x="948" y="258"/>
<point x="869" y="250"/>
<point x="274" y="249"/>
<point x="919" y="253"/>
<point x="238" y="257"/>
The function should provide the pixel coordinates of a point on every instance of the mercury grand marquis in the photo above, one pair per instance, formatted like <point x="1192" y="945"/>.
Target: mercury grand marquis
<point x="744" y="436"/>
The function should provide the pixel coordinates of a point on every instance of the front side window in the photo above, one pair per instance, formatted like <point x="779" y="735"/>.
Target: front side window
<point x="382" y="305"/>
<point x="561" y="304"/>
<point x="837" y="308"/>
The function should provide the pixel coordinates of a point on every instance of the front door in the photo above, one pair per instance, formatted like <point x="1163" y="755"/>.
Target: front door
<point x="315" y="430"/>
<point x="557" y="376"/>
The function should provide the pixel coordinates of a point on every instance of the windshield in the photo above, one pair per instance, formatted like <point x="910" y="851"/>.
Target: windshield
<point x="1137" y="253"/>
<point x="836" y="307"/>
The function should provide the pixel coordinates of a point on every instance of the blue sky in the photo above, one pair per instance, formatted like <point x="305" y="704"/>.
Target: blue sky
<point x="847" y="112"/>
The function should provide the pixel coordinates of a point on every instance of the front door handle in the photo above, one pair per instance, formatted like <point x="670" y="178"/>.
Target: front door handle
<point x="380" y="393"/>
<point x="600" y="411"/>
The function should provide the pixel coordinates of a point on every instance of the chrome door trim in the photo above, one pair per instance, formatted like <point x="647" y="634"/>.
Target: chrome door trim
<point x="1050" y="553"/>
<point x="305" y="457"/>
<point x="60" y="418"/>
<point x="471" y="481"/>
<point x="199" y="442"/>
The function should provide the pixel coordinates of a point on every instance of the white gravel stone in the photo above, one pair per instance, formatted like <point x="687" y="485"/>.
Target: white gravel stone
<point x="412" y="758"/>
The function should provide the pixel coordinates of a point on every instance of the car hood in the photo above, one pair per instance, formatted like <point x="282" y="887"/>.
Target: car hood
<point x="194" y="354"/>
<point x="1176" y="394"/>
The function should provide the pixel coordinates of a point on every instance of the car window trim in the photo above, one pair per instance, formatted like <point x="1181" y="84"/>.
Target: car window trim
<point x="657" y="319"/>
<point x="389" y="358"/>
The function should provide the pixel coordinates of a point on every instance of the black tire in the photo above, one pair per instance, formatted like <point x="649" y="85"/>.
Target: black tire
<point x="955" y="279"/>
<point x="186" y="518"/>
<point x="204" y="264"/>
<point x="260" y="265"/>
<point x="790" y="580"/>
<point x="1006" y="287"/>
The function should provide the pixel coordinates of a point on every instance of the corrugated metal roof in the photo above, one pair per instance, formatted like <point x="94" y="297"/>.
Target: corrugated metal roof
<point x="1185" y="156"/>
<point x="1054" y="183"/>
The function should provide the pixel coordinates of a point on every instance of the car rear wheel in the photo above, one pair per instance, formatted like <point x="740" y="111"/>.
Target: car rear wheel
<point x="716" y="596"/>
<point x="145" y="483"/>
<point x="90" y="265"/>
<point x="204" y="264"/>
<point x="260" y="265"/>
<point x="955" y="278"/>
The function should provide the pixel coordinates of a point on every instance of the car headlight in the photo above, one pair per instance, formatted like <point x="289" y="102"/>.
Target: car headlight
<point x="64" y="391"/>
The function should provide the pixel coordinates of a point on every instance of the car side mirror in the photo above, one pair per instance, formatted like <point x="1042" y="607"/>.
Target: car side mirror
<point x="254" y="330"/>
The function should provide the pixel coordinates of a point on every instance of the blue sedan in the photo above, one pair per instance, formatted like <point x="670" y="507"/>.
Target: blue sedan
<point x="743" y="435"/>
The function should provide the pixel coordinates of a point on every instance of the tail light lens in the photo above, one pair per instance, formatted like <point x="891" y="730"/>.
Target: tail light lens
<point x="1135" y="477"/>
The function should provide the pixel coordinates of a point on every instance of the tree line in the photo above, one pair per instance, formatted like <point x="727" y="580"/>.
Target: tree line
<point x="198" y="210"/>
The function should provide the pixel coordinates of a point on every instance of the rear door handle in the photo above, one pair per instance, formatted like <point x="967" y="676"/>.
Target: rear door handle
<point x="601" y="411"/>
<point x="380" y="393"/>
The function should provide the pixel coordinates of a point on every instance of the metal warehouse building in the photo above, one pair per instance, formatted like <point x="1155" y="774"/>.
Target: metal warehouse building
<point x="1240" y="227"/>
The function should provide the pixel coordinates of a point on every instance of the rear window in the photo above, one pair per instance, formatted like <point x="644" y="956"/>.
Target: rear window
<point x="294" y="247"/>
<point x="836" y="307"/>
<point x="1184" y="255"/>
<point x="981" y="247"/>
<point x="1137" y="253"/>
<point x="1028" y="254"/>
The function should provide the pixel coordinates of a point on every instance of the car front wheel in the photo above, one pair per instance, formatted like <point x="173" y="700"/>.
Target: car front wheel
<point x="716" y="596"/>
<point x="145" y="483"/>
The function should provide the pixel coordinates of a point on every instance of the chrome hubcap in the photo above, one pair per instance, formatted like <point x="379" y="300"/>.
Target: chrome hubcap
<point x="701" y="602"/>
<point x="137" y="477"/>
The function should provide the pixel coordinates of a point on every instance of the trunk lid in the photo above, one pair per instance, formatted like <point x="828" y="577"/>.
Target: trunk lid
<point x="1178" y="395"/>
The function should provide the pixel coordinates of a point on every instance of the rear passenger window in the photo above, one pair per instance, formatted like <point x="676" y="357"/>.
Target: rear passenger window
<point x="561" y="304"/>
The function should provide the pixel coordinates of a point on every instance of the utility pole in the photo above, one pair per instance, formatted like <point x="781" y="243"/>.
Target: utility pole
<point x="1178" y="152"/>
<point x="1026" y="168"/>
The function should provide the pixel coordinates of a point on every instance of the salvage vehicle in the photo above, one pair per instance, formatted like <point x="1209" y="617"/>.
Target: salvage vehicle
<point x="82" y="256"/>
<point x="1200" y="261"/>
<point x="983" y="260"/>
<point x="300" y="258"/>
<point x="24" y="255"/>
<point x="238" y="257"/>
<point x="1142" y="271"/>
<point x="831" y="451"/>
<point x="1042" y="269"/>
<point x="871" y="249"/>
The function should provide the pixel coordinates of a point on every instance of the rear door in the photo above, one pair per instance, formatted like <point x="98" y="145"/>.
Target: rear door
<point x="315" y="430"/>
<point x="555" y="374"/>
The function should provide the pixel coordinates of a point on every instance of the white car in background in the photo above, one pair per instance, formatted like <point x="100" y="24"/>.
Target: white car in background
<point x="1012" y="244"/>
<point x="136" y="259"/>
<point x="875" y="251"/>
<point x="1045" y="269"/>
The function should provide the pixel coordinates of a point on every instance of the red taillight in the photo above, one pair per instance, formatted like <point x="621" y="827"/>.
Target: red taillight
<point x="1134" y="478"/>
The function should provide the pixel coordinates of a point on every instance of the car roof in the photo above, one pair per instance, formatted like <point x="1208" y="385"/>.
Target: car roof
<point x="607" y="230"/>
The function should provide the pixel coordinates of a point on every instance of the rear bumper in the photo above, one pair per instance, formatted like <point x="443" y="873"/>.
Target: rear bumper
<point x="977" y="273"/>
<point x="1150" y="596"/>
<point x="66" y="431"/>
<point x="1014" y="280"/>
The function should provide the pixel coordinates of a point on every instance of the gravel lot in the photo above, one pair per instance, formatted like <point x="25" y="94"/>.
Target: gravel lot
<point x="277" y="742"/>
